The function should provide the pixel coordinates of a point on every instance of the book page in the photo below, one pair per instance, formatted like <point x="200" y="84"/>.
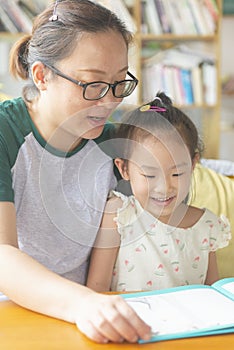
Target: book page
<point x="225" y="286"/>
<point x="186" y="310"/>
<point x="229" y="287"/>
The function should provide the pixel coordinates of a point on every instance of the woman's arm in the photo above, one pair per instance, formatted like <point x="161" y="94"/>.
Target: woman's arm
<point x="212" y="272"/>
<point x="105" y="251"/>
<point x="31" y="285"/>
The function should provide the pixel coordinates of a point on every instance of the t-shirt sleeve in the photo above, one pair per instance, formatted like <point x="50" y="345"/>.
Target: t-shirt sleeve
<point x="6" y="190"/>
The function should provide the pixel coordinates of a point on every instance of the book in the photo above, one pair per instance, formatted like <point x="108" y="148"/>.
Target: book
<point x="198" y="18"/>
<point x="187" y="21"/>
<point x="163" y="16"/>
<point x="35" y="6"/>
<point x="22" y="22"/>
<point x="213" y="8"/>
<point x="209" y="19"/>
<point x="144" y="23"/>
<point x="186" y="311"/>
<point x="152" y="18"/>
<point x="209" y="74"/>
<point x="197" y="84"/>
<point x="121" y="10"/>
<point x="6" y="21"/>
<point x="152" y="81"/>
<point x="174" y="16"/>
<point x="186" y="80"/>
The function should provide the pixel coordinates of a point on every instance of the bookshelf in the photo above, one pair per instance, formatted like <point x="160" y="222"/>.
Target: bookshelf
<point x="16" y="18"/>
<point x="165" y="49"/>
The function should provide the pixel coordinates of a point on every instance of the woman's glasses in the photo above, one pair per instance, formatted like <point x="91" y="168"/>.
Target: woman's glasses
<point x="96" y="90"/>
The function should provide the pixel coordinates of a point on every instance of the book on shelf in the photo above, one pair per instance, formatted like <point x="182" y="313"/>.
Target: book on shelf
<point x="213" y="8"/>
<point x="197" y="84"/>
<point x="163" y="15"/>
<point x="186" y="77"/>
<point x="119" y="7"/>
<point x="186" y="311"/>
<point x="144" y="22"/>
<point x="7" y="24"/>
<point x="198" y="17"/>
<point x="35" y="6"/>
<point x="152" y="17"/>
<point x="209" y="73"/>
<point x="152" y="77"/>
<point x="185" y="16"/>
<point x="209" y="19"/>
<point x="175" y="17"/>
<point x="182" y="17"/>
<point x="21" y="21"/>
<point x="187" y="86"/>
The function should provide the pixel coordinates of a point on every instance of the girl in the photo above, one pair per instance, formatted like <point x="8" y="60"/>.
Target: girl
<point x="54" y="177"/>
<point x="153" y="239"/>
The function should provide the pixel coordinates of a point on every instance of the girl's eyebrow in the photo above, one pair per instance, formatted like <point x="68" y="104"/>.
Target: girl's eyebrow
<point x="180" y="165"/>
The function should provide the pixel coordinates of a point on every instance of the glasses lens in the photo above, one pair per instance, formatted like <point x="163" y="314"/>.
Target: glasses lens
<point x="95" y="91"/>
<point x="125" y="88"/>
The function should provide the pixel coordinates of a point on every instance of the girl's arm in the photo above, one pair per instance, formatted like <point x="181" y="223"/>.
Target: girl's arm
<point x="31" y="285"/>
<point x="212" y="272"/>
<point x="105" y="251"/>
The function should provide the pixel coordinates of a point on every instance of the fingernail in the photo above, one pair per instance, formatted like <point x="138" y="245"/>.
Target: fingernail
<point x="147" y="336"/>
<point x="134" y="340"/>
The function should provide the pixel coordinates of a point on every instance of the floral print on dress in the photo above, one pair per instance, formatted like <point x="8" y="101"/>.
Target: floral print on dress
<point x="153" y="255"/>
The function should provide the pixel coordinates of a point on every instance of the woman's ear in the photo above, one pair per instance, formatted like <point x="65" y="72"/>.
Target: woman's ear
<point x="38" y="71"/>
<point x="122" y="167"/>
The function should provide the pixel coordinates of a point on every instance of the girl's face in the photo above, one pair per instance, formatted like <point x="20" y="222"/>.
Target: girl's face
<point x="97" y="57"/>
<point x="159" y="174"/>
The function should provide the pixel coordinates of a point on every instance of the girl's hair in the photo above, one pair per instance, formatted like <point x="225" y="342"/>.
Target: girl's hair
<point x="54" y="40"/>
<point x="154" y="119"/>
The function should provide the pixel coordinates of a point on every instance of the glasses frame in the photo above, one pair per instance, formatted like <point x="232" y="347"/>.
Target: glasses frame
<point x="85" y="85"/>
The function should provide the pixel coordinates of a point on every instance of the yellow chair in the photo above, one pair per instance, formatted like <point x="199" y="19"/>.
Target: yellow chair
<point x="216" y="192"/>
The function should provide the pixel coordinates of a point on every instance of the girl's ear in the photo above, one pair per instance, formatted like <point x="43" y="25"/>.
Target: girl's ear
<point x="196" y="159"/>
<point x="122" y="167"/>
<point x="38" y="72"/>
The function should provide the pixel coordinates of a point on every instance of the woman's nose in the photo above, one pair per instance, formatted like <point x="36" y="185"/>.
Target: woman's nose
<point x="109" y="98"/>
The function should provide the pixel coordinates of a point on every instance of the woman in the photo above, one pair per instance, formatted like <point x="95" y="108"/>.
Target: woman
<point x="55" y="176"/>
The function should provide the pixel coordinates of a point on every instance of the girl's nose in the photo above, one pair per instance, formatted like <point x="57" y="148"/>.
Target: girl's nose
<point x="162" y="185"/>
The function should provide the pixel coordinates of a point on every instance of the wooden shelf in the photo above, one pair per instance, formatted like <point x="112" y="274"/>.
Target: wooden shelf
<point x="171" y="37"/>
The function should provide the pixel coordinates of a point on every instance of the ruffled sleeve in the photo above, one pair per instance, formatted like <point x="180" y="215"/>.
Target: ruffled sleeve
<point x="129" y="218"/>
<point x="220" y="231"/>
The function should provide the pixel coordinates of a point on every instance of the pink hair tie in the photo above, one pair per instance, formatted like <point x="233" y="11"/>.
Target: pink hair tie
<point x="152" y="108"/>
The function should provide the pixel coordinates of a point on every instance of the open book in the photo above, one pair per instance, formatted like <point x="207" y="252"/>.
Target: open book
<point x="186" y="311"/>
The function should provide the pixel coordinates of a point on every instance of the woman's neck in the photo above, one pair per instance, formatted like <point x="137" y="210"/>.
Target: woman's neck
<point x="53" y="134"/>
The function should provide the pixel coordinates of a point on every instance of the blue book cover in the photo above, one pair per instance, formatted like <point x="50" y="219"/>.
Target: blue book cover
<point x="187" y="86"/>
<point x="186" y="311"/>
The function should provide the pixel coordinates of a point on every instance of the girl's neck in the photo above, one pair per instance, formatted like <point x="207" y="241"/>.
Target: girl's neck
<point x="178" y="218"/>
<point x="185" y="216"/>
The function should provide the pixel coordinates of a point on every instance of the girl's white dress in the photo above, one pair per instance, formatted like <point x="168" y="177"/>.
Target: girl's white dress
<point x="153" y="255"/>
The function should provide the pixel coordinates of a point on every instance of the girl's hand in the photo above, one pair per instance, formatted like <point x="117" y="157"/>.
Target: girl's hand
<point x="105" y="318"/>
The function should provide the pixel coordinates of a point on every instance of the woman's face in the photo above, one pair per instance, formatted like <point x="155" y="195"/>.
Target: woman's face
<point x="97" y="57"/>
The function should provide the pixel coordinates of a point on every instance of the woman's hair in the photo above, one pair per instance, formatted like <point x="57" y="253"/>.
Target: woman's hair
<point x="55" y="39"/>
<point x="159" y="119"/>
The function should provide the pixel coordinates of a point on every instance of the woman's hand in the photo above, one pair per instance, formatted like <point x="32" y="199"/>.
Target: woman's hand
<point x="105" y="318"/>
